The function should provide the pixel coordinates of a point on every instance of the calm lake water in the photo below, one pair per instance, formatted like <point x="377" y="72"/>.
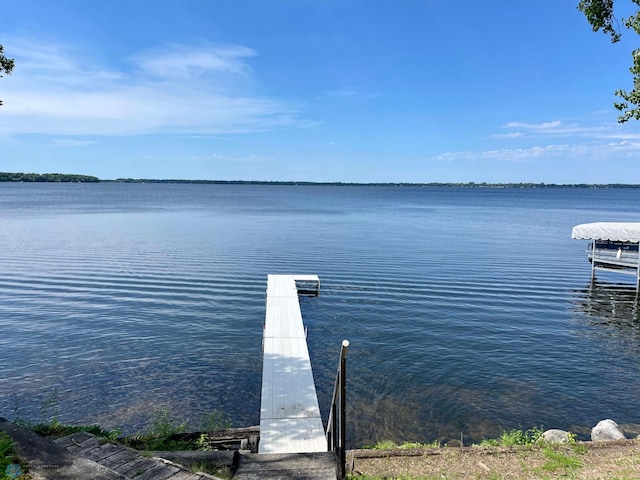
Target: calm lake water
<point x="468" y="310"/>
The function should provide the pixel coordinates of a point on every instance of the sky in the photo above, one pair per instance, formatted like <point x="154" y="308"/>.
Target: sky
<point x="316" y="90"/>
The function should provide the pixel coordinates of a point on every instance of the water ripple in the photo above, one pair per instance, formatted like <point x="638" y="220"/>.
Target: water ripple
<point x="124" y="310"/>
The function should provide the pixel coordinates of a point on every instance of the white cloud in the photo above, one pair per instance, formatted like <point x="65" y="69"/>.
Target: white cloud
<point x="181" y="89"/>
<point x="535" y="126"/>
<point x="351" y="93"/>
<point x="68" y="142"/>
<point x="508" y="155"/>
<point x="181" y="61"/>
<point x="508" y="135"/>
<point x="575" y="131"/>
<point x="592" y="151"/>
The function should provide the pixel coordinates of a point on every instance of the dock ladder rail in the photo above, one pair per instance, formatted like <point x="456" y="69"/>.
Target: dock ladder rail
<point x="336" y="425"/>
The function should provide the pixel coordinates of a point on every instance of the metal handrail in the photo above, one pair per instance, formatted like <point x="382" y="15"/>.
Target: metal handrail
<point x="336" y="426"/>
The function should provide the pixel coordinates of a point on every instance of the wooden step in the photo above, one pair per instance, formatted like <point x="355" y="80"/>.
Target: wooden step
<point x="126" y="462"/>
<point x="279" y="466"/>
<point x="48" y="460"/>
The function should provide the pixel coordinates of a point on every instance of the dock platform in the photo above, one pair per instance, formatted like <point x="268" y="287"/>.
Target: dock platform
<point x="290" y="419"/>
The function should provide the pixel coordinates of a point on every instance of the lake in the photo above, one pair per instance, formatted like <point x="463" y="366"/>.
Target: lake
<point x="468" y="310"/>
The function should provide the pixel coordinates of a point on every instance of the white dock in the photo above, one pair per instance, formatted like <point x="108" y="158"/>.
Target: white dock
<point x="290" y="419"/>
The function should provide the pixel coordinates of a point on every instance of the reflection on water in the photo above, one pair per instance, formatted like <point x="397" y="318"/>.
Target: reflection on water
<point x="610" y="304"/>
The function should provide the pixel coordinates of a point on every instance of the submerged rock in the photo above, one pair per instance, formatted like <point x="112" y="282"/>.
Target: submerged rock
<point x="606" y="431"/>
<point x="555" y="435"/>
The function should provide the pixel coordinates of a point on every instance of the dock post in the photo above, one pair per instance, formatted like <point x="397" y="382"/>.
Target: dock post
<point x="593" y="261"/>
<point x="638" y="276"/>
<point x="343" y="409"/>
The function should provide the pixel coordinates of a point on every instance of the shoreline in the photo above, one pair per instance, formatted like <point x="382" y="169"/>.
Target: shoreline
<point x="19" y="177"/>
<point x="579" y="460"/>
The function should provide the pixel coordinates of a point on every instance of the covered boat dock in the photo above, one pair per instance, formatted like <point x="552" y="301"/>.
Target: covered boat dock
<point x="613" y="247"/>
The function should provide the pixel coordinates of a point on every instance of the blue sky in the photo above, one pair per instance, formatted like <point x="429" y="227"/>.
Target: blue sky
<point x="322" y="90"/>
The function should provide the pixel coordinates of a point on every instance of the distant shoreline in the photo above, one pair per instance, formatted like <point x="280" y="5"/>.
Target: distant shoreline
<point x="76" y="178"/>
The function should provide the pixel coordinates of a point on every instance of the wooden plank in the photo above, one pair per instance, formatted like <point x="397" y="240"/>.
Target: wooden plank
<point x="120" y="461"/>
<point x="302" y="466"/>
<point x="135" y="467"/>
<point x="101" y="452"/>
<point x="160" y="471"/>
<point x="120" y="458"/>
<point x="290" y="419"/>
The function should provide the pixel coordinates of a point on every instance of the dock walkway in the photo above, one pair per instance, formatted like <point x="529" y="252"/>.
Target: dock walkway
<point x="290" y="419"/>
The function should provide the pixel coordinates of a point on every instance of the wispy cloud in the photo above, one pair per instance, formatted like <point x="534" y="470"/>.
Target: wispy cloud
<point x="506" y="154"/>
<point x="179" y="89"/>
<point x="594" y="151"/>
<point x="68" y="142"/>
<point x="508" y="135"/>
<point x="187" y="62"/>
<point x="351" y="93"/>
<point x="555" y="141"/>
<point x="558" y="128"/>
<point x="555" y="124"/>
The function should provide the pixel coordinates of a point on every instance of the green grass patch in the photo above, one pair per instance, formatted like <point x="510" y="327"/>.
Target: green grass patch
<point x="559" y="461"/>
<point x="164" y="433"/>
<point x="11" y="467"/>
<point x="389" y="445"/>
<point x="55" y="429"/>
<point x="402" y="477"/>
<point x="159" y="433"/>
<point x="212" y="470"/>
<point x="515" y="437"/>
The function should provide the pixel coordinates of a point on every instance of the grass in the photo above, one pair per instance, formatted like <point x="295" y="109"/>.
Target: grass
<point x="207" y="468"/>
<point x="559" y="461"/>
<point x="162" y="433"/>
<point x="515" y="437"/>
<point x="546" y="461"/>
<point x="401" y="477"/>
<point x="55" y="429"/>
<point x="11" y="467"/>
<point x="159" y="433"/>
<point x="389" y="445"/>
<point x="511" y="438"/>
<point x="518" y="454"/>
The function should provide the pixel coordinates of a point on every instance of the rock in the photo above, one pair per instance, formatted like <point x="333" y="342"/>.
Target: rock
<point x="556" y="436"/>
<point x="606" y="431"/>
<point x="631" y="430"/>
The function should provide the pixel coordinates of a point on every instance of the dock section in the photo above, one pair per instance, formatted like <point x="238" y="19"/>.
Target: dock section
<point x="290" y="419"/>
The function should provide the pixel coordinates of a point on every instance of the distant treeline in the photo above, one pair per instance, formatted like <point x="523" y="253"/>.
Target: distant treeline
<point x="45" y="177"/>
<point x="381" y="184"/>
<point x="64" y="177"/>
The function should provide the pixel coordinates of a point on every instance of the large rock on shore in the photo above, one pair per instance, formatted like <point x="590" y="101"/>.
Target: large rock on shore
<point x="606" y="431"/>
<point x="556" y="436"/>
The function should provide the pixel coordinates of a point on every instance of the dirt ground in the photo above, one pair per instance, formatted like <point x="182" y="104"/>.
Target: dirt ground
<point x="592" y="461"/>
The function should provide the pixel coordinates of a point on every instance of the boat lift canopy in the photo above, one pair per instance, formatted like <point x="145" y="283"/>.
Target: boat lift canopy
<point x="613" y="231"/>
<point x="602" y="252"/>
